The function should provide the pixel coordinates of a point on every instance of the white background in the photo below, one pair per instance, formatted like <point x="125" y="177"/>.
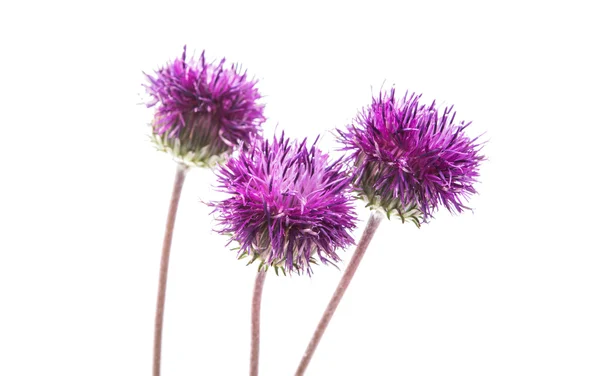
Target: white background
<point x="511" y="289"/>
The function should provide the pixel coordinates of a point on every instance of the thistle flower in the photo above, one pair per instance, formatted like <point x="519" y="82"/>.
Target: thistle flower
<point x="287" y="203"/>
<point x="408" y="159"/>
<point x="411" y="158"/>
<point x="203" y="110"/>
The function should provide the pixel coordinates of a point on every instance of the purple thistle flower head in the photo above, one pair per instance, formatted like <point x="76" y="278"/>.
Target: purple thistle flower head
<point x="287" y="204"/>
<point x="411" y="158"/>
<point x="203" y="110"/>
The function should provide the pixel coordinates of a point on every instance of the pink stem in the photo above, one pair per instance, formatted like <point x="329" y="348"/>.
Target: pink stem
<point x="372" y="224"/>
<point x="255" y="325"/>
<point x="164" y="266"/>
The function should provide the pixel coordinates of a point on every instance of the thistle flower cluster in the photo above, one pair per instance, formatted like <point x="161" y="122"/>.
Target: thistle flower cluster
<point x="410" y="158"/>
<point x="287" y="203"/>
<point x="203" y="110"/>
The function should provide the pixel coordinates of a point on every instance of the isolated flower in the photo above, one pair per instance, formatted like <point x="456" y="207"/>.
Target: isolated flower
<point x="411" y="158"/>
<point x="203" y="110"/>
<point x="287" y="203"/>
<point x="408" y="159"/>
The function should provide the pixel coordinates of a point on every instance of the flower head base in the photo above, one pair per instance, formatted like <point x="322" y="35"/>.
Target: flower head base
<point x="411" y="158"/>
<point x="203" y="110"/>
<point x="287" y="204"/>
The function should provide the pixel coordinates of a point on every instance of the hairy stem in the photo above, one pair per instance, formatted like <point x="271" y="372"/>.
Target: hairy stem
<point x="255" y="324"/>
<point x="372" y="224"/>
<point x="164" y="266"/>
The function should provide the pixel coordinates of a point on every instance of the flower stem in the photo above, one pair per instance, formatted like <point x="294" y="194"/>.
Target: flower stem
<point x="372" y="224"/>
<point x="164" y="266"/>
<point x="255" y="325"/>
